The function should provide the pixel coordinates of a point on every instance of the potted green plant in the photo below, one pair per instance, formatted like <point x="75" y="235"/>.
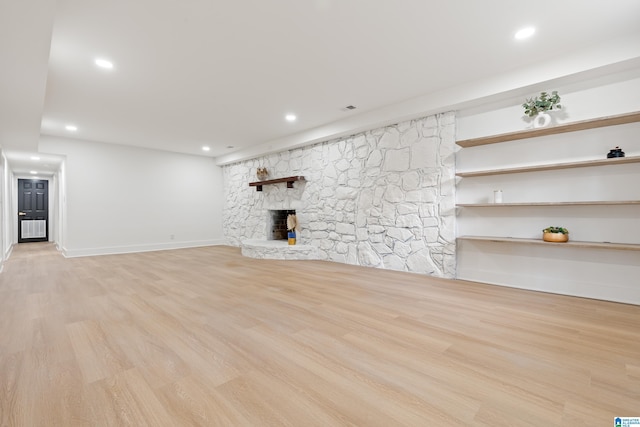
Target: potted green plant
<point x="537" y="107"/>
<point x="540" y="104"/>
<point x="555" y="234"/>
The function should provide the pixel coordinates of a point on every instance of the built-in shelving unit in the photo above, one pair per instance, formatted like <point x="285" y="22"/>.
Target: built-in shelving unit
<point x="289" y="180"/>
<point x="597" y="245"/>
<point x="553" y="130"/>
<point x="571" y="127"/>
<point x="553" y="166"/>
<point x="596" y="198"/>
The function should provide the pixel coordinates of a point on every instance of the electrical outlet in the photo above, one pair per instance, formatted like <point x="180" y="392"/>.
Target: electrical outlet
<point x="172" y="236"/>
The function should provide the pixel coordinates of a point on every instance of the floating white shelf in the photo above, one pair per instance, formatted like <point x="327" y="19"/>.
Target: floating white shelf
<point x="554" y="166"/>
<point x="574" y="244"/>
<point x="553" y="130"/>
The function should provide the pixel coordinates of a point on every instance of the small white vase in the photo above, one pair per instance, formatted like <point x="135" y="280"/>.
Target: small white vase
<point x="541" y="120"/>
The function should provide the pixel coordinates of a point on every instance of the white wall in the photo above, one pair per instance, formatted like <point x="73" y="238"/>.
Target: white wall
<point x="123" y="199"/>
<point x="594" y="273"/>
<point x="608" y="95"/>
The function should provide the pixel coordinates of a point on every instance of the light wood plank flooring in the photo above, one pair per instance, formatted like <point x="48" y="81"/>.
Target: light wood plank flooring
<point x="207" y="337"/>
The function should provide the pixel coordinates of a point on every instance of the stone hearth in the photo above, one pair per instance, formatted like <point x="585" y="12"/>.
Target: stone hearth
<point x="277" y="249"/>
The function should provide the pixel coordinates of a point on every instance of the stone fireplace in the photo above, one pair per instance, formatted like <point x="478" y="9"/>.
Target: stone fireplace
<point x="382" y="198"/>
<point x="277" y="223"/>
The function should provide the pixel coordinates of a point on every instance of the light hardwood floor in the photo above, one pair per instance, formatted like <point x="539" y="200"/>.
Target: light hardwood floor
<point x="207" y="337"/>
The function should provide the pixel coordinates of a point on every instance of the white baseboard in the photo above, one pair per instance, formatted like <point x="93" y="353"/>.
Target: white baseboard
<point x="9" y="251"/>
<point x="7" y="254"/>
<point x="616" y="290"/>
<point x="74" y="253"/>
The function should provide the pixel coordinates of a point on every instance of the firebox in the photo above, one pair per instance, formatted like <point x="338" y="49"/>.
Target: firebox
<point x="277" y="224"/>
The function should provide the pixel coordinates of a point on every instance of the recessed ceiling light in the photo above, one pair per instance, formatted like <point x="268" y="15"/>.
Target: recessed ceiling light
<point x="71" y="128"/>
<point x="206" y="148"/>
<point x="525" y="33"/>
<point x="104" y="63"/>
<point x="33" y="172"/>
<point x="230" y="146"/>
<point x="290" y="117"/>
<point x="35" y="158"/>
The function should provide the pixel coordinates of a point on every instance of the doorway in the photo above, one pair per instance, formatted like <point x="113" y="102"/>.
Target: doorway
<point x="33" y="210"/>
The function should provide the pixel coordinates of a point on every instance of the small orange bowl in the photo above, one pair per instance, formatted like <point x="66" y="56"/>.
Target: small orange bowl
<point x="555" y="237"/>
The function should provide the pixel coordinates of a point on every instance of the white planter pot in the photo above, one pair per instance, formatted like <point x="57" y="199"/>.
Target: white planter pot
<point x="541" y="120"/>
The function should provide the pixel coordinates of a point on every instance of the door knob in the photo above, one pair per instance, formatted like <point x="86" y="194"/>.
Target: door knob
<point x="21" y="213"/>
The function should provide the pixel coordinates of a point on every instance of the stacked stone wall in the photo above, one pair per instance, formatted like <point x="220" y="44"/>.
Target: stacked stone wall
<point x="383" y="198"/>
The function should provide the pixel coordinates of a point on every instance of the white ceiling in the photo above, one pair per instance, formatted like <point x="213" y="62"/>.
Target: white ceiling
<point x="33" y="165"/>
<point x="194" y="73"/>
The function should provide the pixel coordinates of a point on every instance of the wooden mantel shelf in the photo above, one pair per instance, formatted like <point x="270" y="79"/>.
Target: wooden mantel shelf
<point x="289" y="180"/>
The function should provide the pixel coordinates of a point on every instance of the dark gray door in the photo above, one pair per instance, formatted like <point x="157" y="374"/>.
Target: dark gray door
<point x="33" y="210"/>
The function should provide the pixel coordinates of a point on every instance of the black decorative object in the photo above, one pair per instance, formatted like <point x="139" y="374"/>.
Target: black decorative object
<point x="616" y="152"/>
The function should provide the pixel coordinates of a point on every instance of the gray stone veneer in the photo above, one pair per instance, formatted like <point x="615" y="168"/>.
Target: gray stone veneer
<point x="382" y="198"/>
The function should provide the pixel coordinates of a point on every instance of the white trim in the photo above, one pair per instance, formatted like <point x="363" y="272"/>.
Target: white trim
<point x="74" y="253"/>
<point x="6" y="257"/>
<point x="9" y="251"/>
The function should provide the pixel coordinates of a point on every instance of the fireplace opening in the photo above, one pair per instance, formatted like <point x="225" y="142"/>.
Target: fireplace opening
<point x="277" y="224"/>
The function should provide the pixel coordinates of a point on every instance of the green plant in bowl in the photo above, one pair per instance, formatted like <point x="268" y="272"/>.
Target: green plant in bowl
<point x="555" y="234"/>
<point x="556" y="230"/>
<point x="543" y="102"/>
